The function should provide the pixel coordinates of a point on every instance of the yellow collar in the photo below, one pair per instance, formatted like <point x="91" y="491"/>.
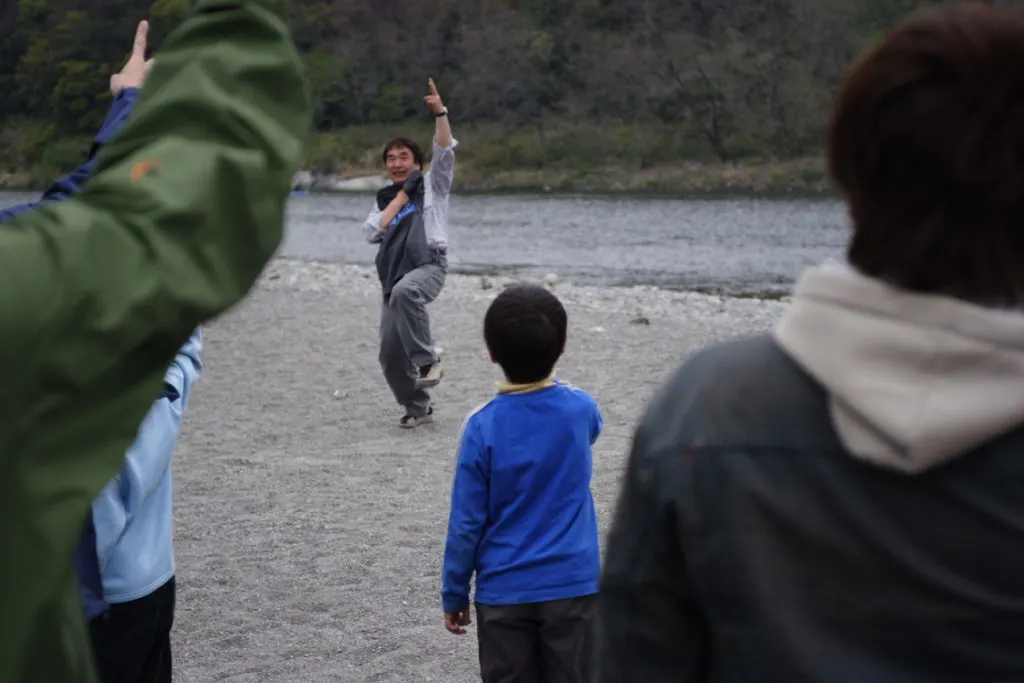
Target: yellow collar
<point x="505" y="387"/>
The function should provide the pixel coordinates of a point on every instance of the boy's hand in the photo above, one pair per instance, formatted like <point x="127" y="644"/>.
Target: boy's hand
<point x="454" y="621"/>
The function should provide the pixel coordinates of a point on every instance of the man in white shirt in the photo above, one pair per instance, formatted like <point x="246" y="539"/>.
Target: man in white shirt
<point x="413" y="266"/>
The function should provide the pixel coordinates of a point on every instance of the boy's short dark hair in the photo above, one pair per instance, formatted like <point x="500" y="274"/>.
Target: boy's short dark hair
<point x="398" y="143"/>
<point x="926" y="143"/>
<point x="525" y="328"/>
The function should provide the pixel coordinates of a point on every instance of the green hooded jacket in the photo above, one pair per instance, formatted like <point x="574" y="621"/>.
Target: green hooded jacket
<point x="98" y="292"/>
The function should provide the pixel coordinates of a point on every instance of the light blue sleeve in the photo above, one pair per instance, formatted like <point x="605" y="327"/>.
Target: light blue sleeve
<point x="149" y="457"/>
<point x="185" y="369"/>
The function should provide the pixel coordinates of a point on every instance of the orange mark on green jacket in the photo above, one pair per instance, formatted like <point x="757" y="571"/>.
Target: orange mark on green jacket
<point x="141" y="169"/>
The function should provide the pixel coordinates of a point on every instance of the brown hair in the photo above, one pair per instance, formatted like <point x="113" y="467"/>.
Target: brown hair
<point x="926" y="143"/>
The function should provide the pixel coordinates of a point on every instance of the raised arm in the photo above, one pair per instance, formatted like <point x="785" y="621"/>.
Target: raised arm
<point x="442" y="129"/>
<point x="98" y="292"/>
<point x="442" y="165"/>
<point x="185" y="209"/>
<point x="63" y="188"/>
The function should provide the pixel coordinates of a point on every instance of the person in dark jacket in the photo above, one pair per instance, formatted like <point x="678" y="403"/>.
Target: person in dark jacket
<point x="842" y="500"/>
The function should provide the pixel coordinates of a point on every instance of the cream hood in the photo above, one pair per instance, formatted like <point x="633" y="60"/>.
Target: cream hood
<point x="913" y="380"/>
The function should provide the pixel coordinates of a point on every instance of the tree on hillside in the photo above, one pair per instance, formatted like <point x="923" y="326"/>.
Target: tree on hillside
<point x="730" y="78"/>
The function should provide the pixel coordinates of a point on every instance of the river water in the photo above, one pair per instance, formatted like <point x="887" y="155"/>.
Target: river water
<point x="730" y="245"/>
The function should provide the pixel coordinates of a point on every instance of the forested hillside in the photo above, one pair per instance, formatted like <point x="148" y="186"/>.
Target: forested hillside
<point x="576" y="85"/>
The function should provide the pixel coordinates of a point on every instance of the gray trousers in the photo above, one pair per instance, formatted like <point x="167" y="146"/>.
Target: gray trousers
<point x="405" y="340"/>
<point x="543" y="642"/>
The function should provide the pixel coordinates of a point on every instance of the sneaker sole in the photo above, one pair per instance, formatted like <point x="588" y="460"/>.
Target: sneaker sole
<point x="413" y="424"/>
<point x="429" y="383"/>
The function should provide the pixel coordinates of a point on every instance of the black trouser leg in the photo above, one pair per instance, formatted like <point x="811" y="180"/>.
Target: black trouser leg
<point x="507" y="637"/>
<point x="544" y="642"/>
<point x="566" y="640"/>
<point x="132" y="641"/>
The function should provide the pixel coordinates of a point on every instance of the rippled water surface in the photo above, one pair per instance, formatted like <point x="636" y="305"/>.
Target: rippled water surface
<point x="731" y="245"/>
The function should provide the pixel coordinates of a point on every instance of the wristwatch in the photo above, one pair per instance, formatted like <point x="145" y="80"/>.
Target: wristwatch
<point x="443" y="112"/>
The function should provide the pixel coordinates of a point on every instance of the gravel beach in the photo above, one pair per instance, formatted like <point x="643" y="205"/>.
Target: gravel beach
<point x="310" y="527"/>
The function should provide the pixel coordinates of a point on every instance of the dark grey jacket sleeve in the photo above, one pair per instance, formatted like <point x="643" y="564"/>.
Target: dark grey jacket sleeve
<point x="650" y="628"/>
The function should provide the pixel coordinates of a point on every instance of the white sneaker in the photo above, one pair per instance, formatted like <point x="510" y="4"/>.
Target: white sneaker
<point x="430" y="376"/>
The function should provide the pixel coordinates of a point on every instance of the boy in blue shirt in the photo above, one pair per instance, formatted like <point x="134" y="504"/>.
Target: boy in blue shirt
<point x="522" y="515"/>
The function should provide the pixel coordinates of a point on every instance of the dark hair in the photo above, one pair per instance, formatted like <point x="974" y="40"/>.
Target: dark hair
<point x="524" y="329"/>
<point x="926" y="143"/>
<point x="398" y="143"/>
